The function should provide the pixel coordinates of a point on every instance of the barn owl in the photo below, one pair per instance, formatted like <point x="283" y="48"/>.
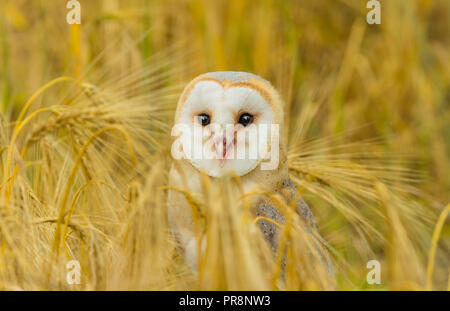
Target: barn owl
<point x="215" y="117"/>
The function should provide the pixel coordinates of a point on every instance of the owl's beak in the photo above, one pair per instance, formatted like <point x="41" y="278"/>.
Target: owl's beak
<point x="223" y="147"/>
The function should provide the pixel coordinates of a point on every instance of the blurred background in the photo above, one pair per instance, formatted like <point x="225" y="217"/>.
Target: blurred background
<point x="389" y="82"/>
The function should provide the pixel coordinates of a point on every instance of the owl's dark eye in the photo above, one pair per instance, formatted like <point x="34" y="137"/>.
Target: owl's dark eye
<point x="203" y="119"/>
<point x="245" y="119"/>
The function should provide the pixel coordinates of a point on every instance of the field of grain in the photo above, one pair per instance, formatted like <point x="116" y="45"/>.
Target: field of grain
<point x="86" y="114"/>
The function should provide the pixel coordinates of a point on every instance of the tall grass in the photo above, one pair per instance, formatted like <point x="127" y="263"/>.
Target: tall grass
<point x="85" y="138"/>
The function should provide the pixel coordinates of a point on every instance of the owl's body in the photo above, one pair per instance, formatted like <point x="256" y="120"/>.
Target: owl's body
<point x="242" y="99"/>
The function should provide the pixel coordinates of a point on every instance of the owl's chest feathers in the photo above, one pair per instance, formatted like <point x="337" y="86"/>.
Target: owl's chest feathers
<point x="183" y="175"/>
<point x="185" y="178"/>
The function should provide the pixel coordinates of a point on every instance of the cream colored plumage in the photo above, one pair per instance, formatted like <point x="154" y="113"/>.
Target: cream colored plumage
<point x="222" y="98"/>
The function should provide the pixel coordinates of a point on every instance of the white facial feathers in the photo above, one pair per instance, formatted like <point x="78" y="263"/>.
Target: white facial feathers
<point x="226" y="112"/>
<point x="225" y="103"/>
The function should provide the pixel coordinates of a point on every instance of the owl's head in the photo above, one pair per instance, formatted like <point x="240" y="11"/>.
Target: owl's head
<point x="229" y="122"/>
